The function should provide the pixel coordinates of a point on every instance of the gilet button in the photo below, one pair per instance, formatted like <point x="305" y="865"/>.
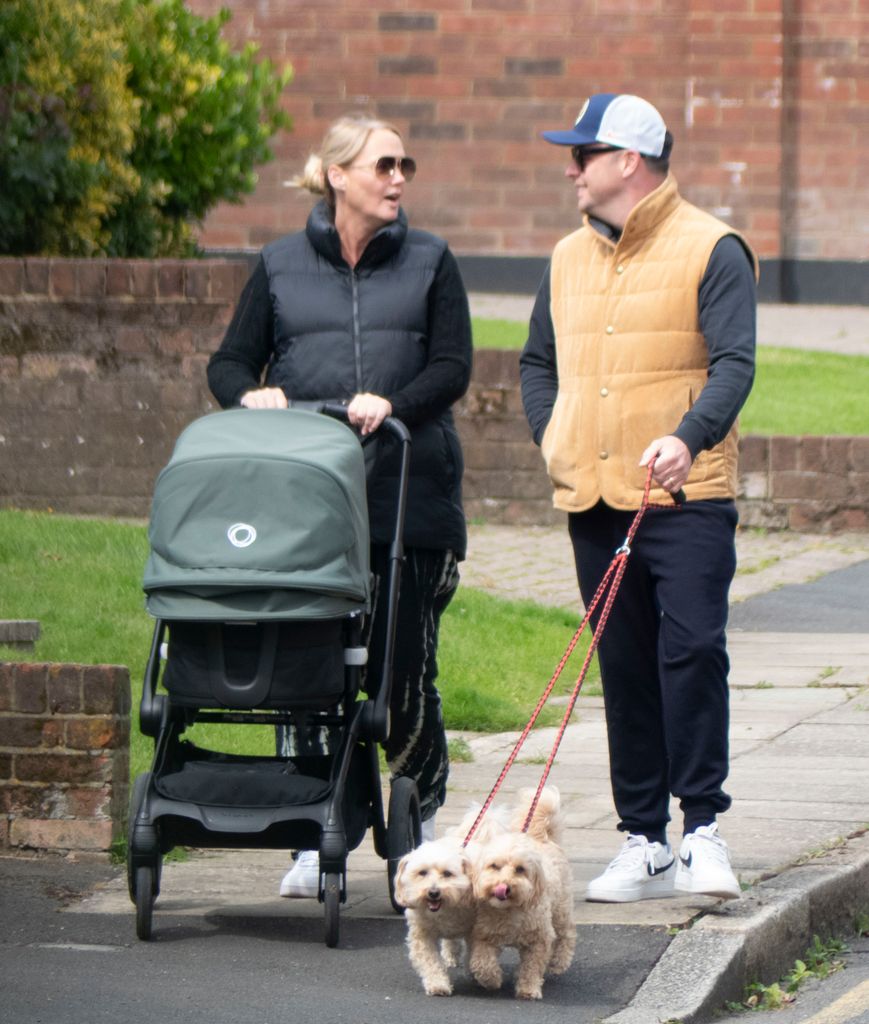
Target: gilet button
<point x="604" y="455"/>
<point x="610" y="329"/>
<point x="604" y="392"/>
<point x="620" y="269"/>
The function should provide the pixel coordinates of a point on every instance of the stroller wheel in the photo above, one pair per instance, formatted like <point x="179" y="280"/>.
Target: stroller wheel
<point x="332" y="903"/>
<point x="142" y="842"/>
<point x="402" y="829"/>
<point x="145" y="878"/>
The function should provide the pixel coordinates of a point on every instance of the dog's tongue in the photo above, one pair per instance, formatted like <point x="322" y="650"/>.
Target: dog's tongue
<point x="501" y="891"/>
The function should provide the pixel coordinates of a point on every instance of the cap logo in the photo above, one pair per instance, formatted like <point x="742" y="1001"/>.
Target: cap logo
<point x="241" y="535"/>
<point x="581" y="114"/>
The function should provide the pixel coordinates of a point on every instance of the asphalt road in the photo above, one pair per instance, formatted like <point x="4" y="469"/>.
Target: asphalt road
<point x="837" y="602"/>
<point x="58" y="967"/>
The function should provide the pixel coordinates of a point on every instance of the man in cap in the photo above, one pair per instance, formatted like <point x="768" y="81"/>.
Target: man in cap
<point x="641" y="352"/>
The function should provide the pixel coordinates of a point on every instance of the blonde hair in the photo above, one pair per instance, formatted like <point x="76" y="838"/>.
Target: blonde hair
<point x="342" y="143"/>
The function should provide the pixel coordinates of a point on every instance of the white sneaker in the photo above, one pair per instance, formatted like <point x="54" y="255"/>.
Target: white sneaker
<point x="704" y="865"/>
<point x="427" y="830"/>
<point x="640" y="871"/>
<point x="302" y="881"/>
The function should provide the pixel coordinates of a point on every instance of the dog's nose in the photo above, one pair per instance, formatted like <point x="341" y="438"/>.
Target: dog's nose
<point x="434" y="894"/>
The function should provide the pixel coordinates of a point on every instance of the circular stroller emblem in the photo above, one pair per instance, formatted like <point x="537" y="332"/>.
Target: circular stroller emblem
<point x="241" y="535"/>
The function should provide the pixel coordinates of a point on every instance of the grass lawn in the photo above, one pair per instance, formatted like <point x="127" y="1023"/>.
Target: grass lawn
<point x="795" y="391"/>
<point x="81" y="578"/>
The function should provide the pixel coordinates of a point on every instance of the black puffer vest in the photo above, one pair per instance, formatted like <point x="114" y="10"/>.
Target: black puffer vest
<point x="339" y="331"/>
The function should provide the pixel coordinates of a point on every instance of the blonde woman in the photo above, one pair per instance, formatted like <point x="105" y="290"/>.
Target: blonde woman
<point x="361" y="308"/>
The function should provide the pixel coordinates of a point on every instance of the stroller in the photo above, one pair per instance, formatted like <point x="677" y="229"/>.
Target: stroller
<point x="258" y="578"/>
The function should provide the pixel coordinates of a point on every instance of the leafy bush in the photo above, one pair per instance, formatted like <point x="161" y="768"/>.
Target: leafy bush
<point x="122" y="122"/>
<point x="206" y="116"/>
<point x="67" y="125"/>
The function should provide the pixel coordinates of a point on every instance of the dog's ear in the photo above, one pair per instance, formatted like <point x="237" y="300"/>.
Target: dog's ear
<point x="398" y="883"/>
<point x="535" y="873"/>
<point x="477" y="867"/>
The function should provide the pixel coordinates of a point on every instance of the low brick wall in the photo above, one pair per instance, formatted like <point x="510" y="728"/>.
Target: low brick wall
<point x="812" y="484"/>
<point x="102" y="364"/>
<point x="64" y="757"/>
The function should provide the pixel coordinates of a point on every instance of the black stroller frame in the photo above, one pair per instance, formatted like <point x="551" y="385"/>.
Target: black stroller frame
<point x="205" y="799"/>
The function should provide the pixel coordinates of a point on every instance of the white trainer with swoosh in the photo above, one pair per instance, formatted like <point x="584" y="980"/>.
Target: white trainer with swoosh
<point x="704" y="865"/>
<point x="640" y="871"/>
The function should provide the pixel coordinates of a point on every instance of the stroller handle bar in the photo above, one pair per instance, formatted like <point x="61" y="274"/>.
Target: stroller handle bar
<point x="375" y="714"/>
<point x="338" y="411"/>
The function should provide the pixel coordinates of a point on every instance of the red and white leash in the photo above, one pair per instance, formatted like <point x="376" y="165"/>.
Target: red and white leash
<point x="606" y="591"/>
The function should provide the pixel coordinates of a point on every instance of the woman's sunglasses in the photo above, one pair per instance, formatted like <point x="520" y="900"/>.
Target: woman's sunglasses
<point x="386" y="166"/>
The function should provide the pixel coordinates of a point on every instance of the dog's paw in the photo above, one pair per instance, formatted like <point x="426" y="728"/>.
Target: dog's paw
<point x="530" y="992"/>
<point x="438" y="988"/>
<point x="491" y="979"/>
<point x="561" y="960"/>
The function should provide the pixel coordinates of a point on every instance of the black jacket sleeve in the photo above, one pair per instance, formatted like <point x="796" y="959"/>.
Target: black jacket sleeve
<point x="237" y="366"/>
<point x="727" y="302"/>
<point x="447" y="372"/>
<point x="538" y="371"/>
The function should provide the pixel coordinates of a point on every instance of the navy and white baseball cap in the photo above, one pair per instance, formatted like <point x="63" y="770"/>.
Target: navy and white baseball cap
<point x="622" y="120"/>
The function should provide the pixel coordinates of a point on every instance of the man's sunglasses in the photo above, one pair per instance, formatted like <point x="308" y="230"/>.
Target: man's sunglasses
<point x="581" y="154"/>
<point x="386" y="166"/>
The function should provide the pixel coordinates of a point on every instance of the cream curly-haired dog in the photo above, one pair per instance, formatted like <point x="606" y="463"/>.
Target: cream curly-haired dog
<point x="435" y="886"/>
<point x="524" y="895"/>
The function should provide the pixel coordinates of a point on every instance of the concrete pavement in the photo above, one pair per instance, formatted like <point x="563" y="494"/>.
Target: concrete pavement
<point x="799" y="779"/>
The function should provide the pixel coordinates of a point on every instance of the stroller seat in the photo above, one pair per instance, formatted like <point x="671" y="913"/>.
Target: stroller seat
<point x="273" y="665"/>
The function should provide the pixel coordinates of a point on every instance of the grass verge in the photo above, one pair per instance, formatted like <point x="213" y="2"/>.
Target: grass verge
<point x="81" y="578"/>
<point x="795" y="391"/>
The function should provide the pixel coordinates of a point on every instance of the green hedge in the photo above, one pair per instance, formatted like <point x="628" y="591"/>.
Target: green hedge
<point x="122" y="122"/>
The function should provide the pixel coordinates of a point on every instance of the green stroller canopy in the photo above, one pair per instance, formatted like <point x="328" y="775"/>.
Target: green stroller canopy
<point x="260" y="514"/>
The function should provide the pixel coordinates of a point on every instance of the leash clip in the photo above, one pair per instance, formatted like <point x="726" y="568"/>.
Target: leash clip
<point x="623" y="550"/>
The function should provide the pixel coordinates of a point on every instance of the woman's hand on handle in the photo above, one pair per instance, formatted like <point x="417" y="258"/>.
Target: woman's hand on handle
<point x="367" y="412"/>
<point x="264" y="398"/>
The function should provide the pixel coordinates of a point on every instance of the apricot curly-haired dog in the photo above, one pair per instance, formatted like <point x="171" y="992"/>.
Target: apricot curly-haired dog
<point x="434" y="884"/>
<point x="524" y="893"/>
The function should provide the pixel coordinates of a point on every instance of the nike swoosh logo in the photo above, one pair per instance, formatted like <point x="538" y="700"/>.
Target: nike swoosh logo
<point x="686" y="860"/>
<point x="659" y="871"/>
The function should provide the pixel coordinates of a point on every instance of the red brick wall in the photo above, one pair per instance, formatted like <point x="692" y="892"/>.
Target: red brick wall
<point x="64" y="756"/>
<point x="767" y="100"/>
<point x="826" y="135"/>
<point x="102" y="364"/>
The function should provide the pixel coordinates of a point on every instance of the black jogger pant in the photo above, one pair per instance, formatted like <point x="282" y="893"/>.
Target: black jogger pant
<point x="663" y="658"/>
<point x="417" y="743"/>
